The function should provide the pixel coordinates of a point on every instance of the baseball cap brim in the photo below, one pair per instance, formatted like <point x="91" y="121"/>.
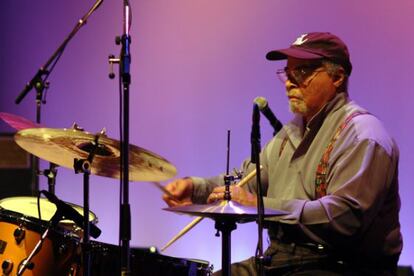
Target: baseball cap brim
<point x="291" y="52"/>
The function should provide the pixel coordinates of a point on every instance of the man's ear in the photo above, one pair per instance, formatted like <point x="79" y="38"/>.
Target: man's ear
<point x="339" y="78"/>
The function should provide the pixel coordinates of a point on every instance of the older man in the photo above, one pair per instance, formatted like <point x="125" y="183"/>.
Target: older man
<point x="334" y="168"/>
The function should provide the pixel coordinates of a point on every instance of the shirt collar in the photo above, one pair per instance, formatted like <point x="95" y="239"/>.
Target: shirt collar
<point x="296" y="129"/>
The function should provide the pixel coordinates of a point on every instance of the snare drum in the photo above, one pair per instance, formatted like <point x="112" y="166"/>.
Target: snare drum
<point x="105" y="260"/>
<point x="20" y="230"/>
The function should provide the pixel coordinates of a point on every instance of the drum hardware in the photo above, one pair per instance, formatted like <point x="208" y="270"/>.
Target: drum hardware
<point x="83" y="165"/>
<point x="226" y="213"/>
<point x="7" y="266"/>
<point x="2" y="246"/>
<point x="50" y="174"/>
<point x="189" y="226"/>
<point x="19" y="234"/>
<point x="26" y="263"/>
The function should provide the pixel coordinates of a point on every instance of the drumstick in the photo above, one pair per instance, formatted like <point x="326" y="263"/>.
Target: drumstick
<point x="198" y="219"/>
<point x="162" y="188"/>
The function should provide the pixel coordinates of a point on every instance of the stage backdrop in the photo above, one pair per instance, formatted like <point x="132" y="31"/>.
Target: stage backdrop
<point x="196" y="68"/>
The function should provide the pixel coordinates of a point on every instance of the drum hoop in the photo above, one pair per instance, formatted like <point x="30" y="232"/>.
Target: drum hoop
<point x="30" y="223"/>
<point x="93" y="218"/>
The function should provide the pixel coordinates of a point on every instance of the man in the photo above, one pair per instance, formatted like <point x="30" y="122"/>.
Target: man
<point x="334" y="168"/>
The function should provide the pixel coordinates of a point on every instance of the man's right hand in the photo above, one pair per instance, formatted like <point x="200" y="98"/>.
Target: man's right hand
<point x="182" y="190"/>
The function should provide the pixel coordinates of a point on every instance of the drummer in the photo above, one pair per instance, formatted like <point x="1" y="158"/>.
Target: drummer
<point x="333" y="168"/>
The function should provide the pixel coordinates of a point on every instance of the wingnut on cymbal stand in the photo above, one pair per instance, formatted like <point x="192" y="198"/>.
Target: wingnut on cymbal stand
<point x="40" y="83"/>
<point x="124" y="62"/>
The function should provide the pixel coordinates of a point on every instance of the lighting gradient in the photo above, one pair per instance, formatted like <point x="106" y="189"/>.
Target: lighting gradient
<point x="196" y="68"/>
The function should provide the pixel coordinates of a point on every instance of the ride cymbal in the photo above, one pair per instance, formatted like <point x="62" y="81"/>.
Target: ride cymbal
<point x="63" y="146"/>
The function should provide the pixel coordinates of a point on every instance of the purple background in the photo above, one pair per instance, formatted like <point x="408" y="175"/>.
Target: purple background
<point x="196" y="68"/>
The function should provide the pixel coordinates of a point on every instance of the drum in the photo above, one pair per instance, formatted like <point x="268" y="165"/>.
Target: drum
<point x="105" y="260"/>
<point x="21" y="229"/>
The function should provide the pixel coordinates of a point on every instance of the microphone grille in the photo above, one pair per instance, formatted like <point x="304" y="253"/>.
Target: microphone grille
<point x="261" y="102"/>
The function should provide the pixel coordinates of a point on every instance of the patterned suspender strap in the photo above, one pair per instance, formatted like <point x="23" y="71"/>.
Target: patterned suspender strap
<point x="321" y="183"/>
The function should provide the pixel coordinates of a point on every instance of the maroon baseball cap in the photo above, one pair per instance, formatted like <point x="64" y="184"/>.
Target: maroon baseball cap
<point x="316" y="46"/>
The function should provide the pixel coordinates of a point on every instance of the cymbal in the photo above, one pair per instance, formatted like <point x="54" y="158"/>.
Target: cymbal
<point x="18" y="122"/>
<point x="62" y="146"/>
<point x="224" y="210"/>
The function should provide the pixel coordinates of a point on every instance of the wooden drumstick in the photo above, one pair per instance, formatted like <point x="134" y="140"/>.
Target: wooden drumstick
<point x="162" y="188"/>
<point x="198" y="219"/>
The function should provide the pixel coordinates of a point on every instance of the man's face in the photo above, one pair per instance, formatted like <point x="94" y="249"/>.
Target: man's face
<point x="309" y="87"/>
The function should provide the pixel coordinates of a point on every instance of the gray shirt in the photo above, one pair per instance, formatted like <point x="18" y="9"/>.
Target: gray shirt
<point x="359" y="214"/>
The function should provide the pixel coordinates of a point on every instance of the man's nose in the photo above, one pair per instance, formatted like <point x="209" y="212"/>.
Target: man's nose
<point x="290" y="85"/>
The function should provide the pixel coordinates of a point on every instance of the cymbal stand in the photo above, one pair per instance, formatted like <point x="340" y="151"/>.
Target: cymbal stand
<point x="51" y="177"/>
<point x="225" y="226"/>
<point x="84" y="166"/>
<point x="40" y="83"/>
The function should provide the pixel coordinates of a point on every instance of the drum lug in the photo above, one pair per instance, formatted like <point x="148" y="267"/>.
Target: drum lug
<point x="62" y="249"/>
<point x="19" y="234"/>
<point x="7" y="267"/>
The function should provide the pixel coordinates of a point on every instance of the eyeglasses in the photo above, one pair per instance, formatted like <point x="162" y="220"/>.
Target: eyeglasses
<point x="300" y="74"/>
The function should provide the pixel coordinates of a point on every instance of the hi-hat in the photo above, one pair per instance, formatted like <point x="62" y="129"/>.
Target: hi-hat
<point x="62" y="146"/>
<point x="17" y="122"/>
<point x="224" y="210"/>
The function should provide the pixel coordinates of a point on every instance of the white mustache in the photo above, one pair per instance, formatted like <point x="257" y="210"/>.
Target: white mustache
<point x="295" y="94"/>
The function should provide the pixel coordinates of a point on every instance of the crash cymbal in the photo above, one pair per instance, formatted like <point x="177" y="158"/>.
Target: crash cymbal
<point x="224" y="210"/>
<point x="17" y="122"/>
<point x="62" y="146"/>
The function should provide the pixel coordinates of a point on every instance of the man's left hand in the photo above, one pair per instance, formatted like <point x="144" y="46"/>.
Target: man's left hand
<point x="237" y="194"/>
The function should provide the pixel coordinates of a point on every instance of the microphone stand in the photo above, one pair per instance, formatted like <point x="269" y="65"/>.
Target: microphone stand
<point x="124" y="61"/>
<point x="40" y="83"/>
<point x="125" y="79"/>
<point x="255" y="158"/>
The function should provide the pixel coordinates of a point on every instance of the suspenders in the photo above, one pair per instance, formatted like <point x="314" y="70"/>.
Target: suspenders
<point x="320" y="179"/>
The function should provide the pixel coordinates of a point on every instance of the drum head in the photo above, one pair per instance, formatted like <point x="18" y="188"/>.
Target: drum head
<point x="27" y="206"/>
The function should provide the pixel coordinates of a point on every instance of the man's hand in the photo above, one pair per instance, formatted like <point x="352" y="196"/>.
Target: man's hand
<point x="181" y="189"/>
<point x="237" y="194"/>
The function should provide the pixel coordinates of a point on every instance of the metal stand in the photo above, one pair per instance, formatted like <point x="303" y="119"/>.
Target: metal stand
<point x="40" y="83"/>
<point x="125" y="80"/>
<point x="124" y="62"/>
<point x="225" y="227"/>
<point x="51" y="177"/>
<point x="84" y="166"/>
<point x="255" y="159"/>
<point x="27" y="262"/>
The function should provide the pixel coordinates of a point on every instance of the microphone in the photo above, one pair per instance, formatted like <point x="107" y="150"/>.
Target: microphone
<point x="70" y="213"/>
<point x="264" y="108"/>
